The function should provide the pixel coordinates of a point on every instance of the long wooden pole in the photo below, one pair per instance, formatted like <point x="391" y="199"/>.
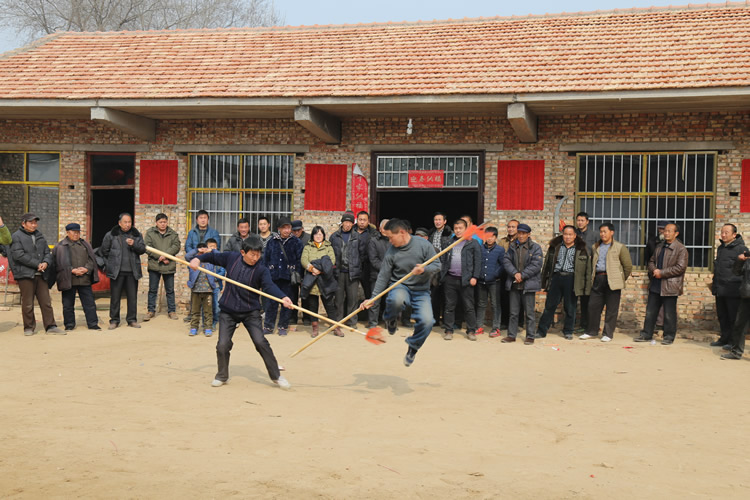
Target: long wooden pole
<point x="259" y="292"/>
<point x="381" y="294"/>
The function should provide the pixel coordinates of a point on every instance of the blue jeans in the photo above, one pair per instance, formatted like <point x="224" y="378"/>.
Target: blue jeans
<point x="153" y="290"/>
<point x="421" y="311"/>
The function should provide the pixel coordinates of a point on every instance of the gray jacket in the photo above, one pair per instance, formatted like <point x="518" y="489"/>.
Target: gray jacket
<point x="532" y="271"/>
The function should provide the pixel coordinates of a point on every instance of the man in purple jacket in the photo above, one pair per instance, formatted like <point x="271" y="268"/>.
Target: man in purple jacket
<point x="239" y="305"/>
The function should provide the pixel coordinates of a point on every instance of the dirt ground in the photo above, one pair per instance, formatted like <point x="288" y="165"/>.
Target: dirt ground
<point x="131" y="414"/>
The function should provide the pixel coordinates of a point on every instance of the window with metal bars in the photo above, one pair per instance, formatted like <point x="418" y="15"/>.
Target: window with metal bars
<point x="230" y="187"/>
<point x="458" y="171"/>
<point x="30" y="182"/>
<point x="636" y="191"/>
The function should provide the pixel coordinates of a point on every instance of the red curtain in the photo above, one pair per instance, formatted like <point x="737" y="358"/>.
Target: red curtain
<point x="520" y="185"/>
<point x="325" y="187"/>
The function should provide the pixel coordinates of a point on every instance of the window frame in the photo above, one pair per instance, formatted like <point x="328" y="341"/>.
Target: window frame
<point x="29" y="184"/>
<point x="643" y="196"/>
<point x="241" y="192"/>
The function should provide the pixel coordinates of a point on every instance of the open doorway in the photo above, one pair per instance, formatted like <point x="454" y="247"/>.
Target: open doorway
<point x="112" y="192"/>
<point x="418" y="206"/>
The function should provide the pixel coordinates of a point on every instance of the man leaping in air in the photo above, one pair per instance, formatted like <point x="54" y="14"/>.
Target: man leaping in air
<point x="406" y="255"/>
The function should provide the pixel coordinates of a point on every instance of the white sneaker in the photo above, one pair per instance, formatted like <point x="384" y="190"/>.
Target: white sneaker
<point x="217" y="383"/>
<point x="606" y="339"/>
<point x="585" y="336"/>
<point x="283" y="383"/>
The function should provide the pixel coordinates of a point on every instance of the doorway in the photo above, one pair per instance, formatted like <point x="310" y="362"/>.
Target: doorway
<point x="419" y="205"/>
<point x="111" y="192"/>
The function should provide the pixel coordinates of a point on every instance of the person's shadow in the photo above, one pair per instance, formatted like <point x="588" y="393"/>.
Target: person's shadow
<point x="399" y="386"/>
<point x="6" y="326"/>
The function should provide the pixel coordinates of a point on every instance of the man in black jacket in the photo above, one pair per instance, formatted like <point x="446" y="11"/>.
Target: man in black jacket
<point x="461" y="270"/>
<point x="376" y="253"/>
<point x="741" y="323"/>
<point x="350" y="253"/>
<point x="726" y="284"/>
<point x="440" y="237"/>
<point x="29" y="258"/>
<point x="122" y="249"/>
<point x="239" y="305"/>
<point x="76" y="272"/>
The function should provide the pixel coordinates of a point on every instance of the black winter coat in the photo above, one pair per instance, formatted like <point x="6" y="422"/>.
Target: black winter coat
<point x="326" y="281"/>
<point x="726" y="282"/>
<point x="356" y="252"/>
<point x="27" y="251"/>
<point x="112" y="250"/>
<point x="471" y="261"/>
<point x="375" y="252"/>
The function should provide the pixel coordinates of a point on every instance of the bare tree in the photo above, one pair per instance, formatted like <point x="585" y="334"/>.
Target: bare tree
<point x="34" y="18"/>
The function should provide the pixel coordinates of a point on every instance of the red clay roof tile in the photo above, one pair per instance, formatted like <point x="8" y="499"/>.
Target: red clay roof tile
<point x="639" y="49"/>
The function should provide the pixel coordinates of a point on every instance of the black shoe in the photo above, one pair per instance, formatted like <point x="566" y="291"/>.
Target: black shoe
<point x="727" y="347"/>
<point x="95" y="327"/>
<point x="70" y="328"/>
<point x="528" y="341"/>
<point x="540" y="336"/>
<point x="409" y="358"/>
<point x="392" y="326"/>
<point x="568" y="336"/>
<point x="730" y="355"/>
<point x="642" y="339"/>
<point x="667" y="341"/>
<point x="717" y="343"/>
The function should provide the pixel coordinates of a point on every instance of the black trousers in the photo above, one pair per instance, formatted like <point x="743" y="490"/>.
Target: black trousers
<point x="655" y="302"/>
<point x="726" y="310"/>
<point x="87" y="302"/>
<point x="227" y="325"/>
<point x="584" y="321"/>
<point x="739" y="329"/>
<point x="437" y="296"/>
<point x="128" y="282"/>
<point x="346" y="298"/>
<point x="312" y="303"/>
<point x="603" y="296"/>
<point x="454" y="293"/>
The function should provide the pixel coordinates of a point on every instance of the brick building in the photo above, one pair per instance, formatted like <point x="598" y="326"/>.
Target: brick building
<point x="634" y="116"/>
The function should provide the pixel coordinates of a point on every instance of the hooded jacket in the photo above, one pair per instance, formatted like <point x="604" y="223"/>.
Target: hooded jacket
<point x="64" y="267"/>
<point x="27" y="251"/>
<point x="726" y="283"/>
<point x="114" y="249"/>
<point x="581" y="264"/>
<point x="169" y="242"/>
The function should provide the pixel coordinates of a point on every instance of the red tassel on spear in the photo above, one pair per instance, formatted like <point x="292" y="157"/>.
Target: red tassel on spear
<point x="375" y="335"/>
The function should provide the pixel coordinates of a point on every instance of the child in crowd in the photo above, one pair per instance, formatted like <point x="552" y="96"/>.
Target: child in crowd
<point x="213" y="246"/>
<point x="202" y="288"/>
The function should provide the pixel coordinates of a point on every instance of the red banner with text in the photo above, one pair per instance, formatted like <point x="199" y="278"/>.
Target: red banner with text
<point x="360" y="190"/>
<point x="425" y="178"/>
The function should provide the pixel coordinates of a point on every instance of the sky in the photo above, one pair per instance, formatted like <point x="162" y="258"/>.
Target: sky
<point x="309" y="12"/>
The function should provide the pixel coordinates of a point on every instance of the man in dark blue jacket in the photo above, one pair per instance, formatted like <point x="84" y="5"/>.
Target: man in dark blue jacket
<point x="461" y="269"/>
<point x="282" y="258"/>
<point x="492" y="267"/>
<point x="239" y="305"/>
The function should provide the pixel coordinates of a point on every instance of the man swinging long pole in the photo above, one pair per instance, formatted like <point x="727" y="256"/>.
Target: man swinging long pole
<point x="369" y="335"/>
<point x="412" y="254"/>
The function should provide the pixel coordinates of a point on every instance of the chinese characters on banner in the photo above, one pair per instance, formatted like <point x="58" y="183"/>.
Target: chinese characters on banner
<point x="425" y="178"/>
<point x="359" y="190"/>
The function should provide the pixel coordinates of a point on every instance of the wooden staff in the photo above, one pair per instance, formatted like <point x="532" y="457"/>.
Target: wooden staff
<point x="259" y="292"/>
<point x="468" y="234"/>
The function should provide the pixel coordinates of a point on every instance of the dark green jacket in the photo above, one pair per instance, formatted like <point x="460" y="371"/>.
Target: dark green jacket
<point x="169" y="242"/>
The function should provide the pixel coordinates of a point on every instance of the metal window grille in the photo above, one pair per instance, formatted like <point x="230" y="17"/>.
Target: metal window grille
<point x="635" y="191"/>
<point x="458" y="171"/>
<point x="230" y="187"/>
<point x="30" y="182"/>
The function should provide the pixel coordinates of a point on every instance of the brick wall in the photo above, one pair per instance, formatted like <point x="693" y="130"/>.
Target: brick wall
<point x="695" y="308"/>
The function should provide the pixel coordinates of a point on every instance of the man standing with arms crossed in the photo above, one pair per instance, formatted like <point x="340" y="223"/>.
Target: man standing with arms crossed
<point x="406" y="254"/>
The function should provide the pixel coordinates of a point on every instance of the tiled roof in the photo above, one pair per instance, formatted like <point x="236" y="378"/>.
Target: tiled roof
<point x="670" y="48"/>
